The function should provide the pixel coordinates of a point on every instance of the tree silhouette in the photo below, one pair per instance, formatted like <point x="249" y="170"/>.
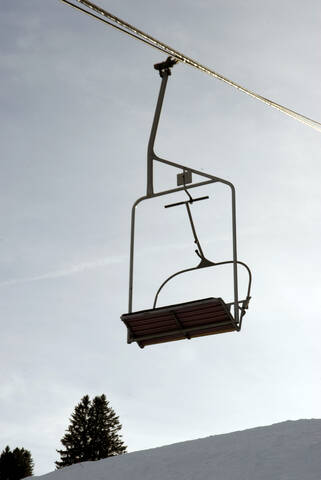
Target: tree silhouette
<point x="93" y="433"/>
<point x="15" y="464"/>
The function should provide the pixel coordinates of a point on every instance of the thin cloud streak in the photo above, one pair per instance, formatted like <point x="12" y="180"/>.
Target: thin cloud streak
<point x="81" y="267"/>
<point x="91" y="265"/>
<point x="71" y="270"/>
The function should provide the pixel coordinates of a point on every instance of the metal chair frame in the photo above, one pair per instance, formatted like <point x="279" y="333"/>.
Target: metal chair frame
<point x="164" y="70"/>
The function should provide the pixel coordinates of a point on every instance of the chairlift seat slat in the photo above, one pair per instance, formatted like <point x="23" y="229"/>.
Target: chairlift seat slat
<point x="208" y="316"/>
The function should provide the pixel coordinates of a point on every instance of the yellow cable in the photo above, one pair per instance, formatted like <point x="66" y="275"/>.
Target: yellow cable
<point x="144" y="37"/>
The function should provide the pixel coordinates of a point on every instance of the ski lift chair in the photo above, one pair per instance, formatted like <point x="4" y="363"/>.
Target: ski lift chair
<point x="207" y="316"/>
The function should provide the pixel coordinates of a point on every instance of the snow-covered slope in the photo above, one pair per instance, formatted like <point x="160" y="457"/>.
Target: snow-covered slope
<point x="284" y="451"/>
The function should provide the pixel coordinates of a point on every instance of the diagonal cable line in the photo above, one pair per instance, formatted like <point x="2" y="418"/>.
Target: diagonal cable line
<point x="134" y="32"/>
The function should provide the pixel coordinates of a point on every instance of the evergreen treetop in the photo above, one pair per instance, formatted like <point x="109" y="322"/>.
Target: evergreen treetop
<point x="15" y="464"/>
<point x="93" y="433"/>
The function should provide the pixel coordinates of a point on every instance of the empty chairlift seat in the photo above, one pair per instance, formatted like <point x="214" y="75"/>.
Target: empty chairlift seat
<point x="177" y="322"/>
<point x="200" y="317"/>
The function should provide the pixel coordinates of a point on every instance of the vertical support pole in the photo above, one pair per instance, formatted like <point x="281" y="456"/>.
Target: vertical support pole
<point x="164" y="71"/>
<point x="131" y="259"/>
<point x="150" y="150"/>
<point x="236" y="294"/>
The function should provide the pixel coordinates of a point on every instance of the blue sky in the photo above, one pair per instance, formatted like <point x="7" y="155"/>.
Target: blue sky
<point x="77" y="101"/>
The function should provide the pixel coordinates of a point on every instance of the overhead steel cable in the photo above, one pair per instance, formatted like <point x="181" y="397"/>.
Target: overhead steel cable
<point x="153" y="42"/>
<point x="117" y="27"/>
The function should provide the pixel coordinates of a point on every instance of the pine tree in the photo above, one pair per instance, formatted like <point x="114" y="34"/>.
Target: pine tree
<point x="92" y="433"/>
<point x="76" y="439"/>
<point x="15" y="464"/>
<point x="104" y="427"/>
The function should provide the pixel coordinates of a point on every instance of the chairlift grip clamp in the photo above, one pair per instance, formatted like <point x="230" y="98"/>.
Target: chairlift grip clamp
<point x="165" y="67"/>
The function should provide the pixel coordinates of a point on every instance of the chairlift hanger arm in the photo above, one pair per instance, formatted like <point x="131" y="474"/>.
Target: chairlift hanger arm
<point x="164" y="72"/>
<point x="102" y="15"/>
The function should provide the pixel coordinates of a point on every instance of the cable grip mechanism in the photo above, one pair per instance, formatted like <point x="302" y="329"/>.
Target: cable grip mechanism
<point x="165" y="67"/>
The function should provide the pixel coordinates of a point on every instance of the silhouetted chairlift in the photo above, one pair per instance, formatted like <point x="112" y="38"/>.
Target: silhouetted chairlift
<point x="197" y="318"/>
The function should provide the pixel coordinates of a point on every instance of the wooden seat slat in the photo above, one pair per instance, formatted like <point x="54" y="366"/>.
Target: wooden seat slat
<point x="149" y="321"/>
<point x="202" y="315"/>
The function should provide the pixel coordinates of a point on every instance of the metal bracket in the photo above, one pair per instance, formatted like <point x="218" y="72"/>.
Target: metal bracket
<point x="184" y="177"/>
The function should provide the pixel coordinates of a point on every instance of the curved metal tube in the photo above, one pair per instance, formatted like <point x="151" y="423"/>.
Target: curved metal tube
<point x="210" y="264"/>
<point x="169" y="278"/>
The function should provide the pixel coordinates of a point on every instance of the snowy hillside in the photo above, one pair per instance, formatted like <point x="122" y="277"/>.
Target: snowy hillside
<point x="284" y="451"/>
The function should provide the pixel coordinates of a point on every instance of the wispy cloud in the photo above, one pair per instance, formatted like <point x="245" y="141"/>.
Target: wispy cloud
<point x="93" y="264"/>
<point x="67" y="271"/>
